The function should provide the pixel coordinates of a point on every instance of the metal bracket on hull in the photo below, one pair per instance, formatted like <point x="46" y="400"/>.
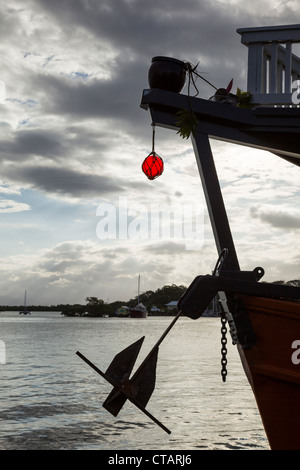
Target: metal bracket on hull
<point x="204" y="288"/>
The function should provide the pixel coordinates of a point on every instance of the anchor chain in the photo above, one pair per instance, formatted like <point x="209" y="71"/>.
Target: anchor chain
<point x="223" y="348"/>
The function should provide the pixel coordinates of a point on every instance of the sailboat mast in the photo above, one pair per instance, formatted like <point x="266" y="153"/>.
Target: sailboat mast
<point x="139" y="285"/>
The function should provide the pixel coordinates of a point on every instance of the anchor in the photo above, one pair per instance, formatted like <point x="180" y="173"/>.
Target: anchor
<point x="137" y="389"/>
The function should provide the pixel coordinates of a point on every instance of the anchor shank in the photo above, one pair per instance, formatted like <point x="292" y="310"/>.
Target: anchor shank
<point x="156" y="345"/>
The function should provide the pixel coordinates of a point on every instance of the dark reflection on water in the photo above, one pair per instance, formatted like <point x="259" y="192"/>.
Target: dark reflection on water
<point x="50" y="399"/>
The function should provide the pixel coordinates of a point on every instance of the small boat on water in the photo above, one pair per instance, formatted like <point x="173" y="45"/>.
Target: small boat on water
<point x="25" y="311"/>
<point x="140" y="311"/>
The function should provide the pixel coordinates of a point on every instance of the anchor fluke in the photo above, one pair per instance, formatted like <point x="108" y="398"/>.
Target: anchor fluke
<point x="119" y="371"/>
<point x="140" y="387"/>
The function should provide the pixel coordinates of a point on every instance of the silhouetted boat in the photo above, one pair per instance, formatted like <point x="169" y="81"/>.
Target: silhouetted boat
<point x="264" y="318"/>
<point x="139" y="311"/>
<point x="25" y="311"/>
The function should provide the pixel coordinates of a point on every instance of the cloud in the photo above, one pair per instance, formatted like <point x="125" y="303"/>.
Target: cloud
<point x="72" y="134"/>
<point x="64" y="181"/>
<point x="277" y="218"/>
<point x="73" y="270"/>
<point x="118" y="97"/>
<point x="8" y="206"/>
<point x="27" y="144"/>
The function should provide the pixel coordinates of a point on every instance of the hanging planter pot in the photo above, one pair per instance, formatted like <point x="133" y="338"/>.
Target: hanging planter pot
<point x="168" y="74"/>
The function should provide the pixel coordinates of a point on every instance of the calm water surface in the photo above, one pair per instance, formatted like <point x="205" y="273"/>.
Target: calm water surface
<point x="51" y="399"/>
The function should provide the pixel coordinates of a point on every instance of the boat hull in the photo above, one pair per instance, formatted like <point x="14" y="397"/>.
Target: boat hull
<point x="138" y="314"/>
<point x="272" y="367"/>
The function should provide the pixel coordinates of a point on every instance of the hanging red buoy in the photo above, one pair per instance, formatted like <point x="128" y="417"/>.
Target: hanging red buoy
<point x="153" y="166"/>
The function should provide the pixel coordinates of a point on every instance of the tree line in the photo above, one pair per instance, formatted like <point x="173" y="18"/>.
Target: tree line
<point x="97" y="307"/>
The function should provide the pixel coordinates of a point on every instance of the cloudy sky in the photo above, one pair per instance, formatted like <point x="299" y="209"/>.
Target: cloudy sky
<point x="73" y="137"/>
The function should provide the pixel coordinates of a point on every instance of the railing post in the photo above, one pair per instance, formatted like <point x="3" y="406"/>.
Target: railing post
<point x="273" y="68"/>
<point x="263" y="88"/>
<point x="255" y="72"/>
<point x="288" y="68"/>
<point x="280" y="69"/>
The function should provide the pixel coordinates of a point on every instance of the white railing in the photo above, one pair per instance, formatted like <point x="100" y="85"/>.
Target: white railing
<point x="273" y="70"/>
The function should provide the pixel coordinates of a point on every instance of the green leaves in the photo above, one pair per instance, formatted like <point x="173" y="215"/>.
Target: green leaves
<point x="187" y="120"/>
<point x="187" y="123"/>
<point x="244" y="98"/>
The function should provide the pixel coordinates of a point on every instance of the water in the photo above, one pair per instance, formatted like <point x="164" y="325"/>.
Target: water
<point x="52" y="400"/>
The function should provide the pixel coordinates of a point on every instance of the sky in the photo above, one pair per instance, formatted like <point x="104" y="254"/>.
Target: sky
<point x="74" y="202"/>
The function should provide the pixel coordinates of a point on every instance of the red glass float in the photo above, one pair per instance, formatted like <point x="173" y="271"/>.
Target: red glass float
<point x="153" y="166"/>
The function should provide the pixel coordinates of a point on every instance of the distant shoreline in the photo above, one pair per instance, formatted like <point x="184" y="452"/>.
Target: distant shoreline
<point x="170" y="313"/>
<point x="31" y="308"/>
